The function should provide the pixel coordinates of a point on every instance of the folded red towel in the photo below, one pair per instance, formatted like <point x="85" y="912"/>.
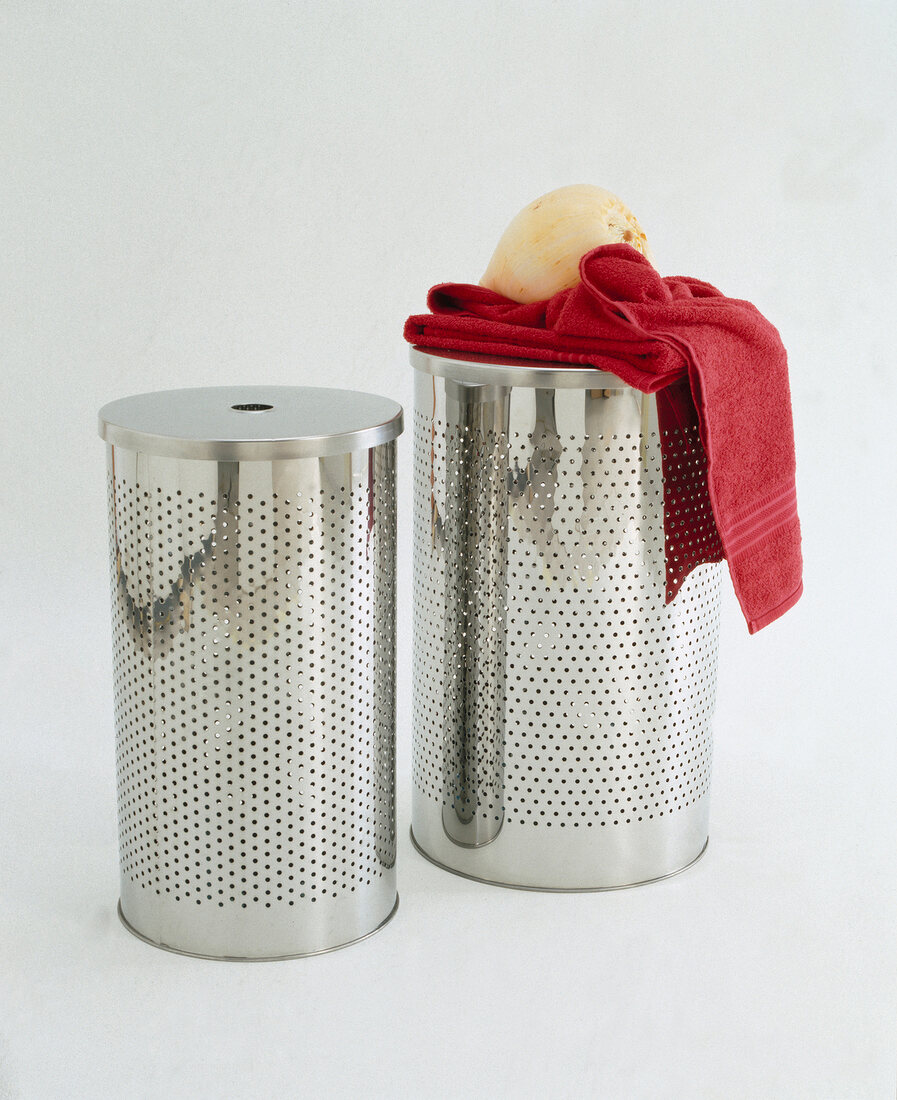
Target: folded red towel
<point x="717" y="365"/>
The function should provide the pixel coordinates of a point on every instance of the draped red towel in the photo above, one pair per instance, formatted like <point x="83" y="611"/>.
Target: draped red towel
<point x="720" y="373"/>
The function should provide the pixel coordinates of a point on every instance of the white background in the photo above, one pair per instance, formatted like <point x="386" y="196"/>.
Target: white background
<point x="213" y="193"/>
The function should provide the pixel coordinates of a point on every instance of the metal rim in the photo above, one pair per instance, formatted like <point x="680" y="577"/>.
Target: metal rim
<point x="557" y="889"/>
<point x="245" y="423"/>
<point x="256" y="958"/>
<point x="487" y="370"/>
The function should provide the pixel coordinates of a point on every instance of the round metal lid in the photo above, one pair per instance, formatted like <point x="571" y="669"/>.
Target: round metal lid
<point x="240" y="423"/>
<point x="489" y="370"/>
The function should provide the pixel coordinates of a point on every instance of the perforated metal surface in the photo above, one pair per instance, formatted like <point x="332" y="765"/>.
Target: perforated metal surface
<point x="254" y="646"/>
<point x="562" y="710"/>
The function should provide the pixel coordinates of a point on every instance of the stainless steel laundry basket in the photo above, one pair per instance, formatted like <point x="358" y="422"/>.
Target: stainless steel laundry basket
<point x="253" y="608"/>
<point x="562" y="709"/>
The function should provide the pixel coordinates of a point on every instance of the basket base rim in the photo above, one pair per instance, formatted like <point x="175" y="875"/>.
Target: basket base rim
<point x="557" y="889"/>
<point x="255" y="958"/>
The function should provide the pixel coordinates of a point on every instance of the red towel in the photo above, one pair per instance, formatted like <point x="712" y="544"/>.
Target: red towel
<point x="720" y="372"/>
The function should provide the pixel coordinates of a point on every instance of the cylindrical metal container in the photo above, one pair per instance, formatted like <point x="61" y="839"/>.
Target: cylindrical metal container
<point x="562" y="709"/>
<point x="253" y="608"/>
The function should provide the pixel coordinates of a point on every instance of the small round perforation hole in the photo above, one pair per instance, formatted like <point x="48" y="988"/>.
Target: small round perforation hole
<point x="251" y="407"/>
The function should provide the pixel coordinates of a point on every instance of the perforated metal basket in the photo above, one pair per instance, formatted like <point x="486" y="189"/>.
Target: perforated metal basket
<point x="253" y="607"/>
<point x="562" y="709"/>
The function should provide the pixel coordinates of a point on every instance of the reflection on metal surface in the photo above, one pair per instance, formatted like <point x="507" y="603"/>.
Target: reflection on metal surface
<point x="254" y="645"/>
<point x="475" y="536"/>
<point x="562" y="708"/>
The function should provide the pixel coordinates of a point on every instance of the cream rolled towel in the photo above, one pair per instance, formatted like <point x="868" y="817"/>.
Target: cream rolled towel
<point x="539" y="252"/>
